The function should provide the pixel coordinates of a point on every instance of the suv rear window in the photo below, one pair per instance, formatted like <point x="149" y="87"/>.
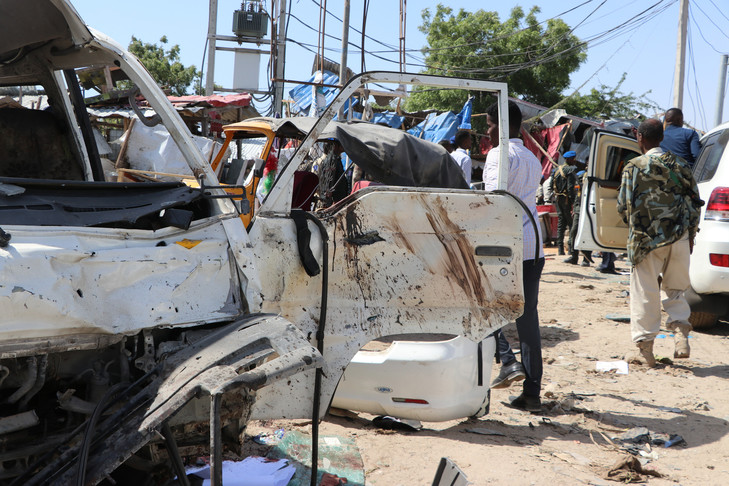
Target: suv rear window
<point x="710" y="155"/>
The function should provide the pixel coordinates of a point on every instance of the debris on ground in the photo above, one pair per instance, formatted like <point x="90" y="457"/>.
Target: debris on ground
<point x="670" y="409"/>
<point x="269" y="438"/>
<point x="629" y="470"/>
<point x="339" y="458"/>
<point x="636" y="435"/>
<point x="251" y="470"/>
<point x="392" y="423"/>
<point x="702" y="406"/>
<point x="332" y="480"/>
<point x="638" y="440"/>
<point x="617" y="317"/>
<point x="619" y="367"/>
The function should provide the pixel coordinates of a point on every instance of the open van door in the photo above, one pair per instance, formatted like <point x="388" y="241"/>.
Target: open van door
<point x="601" y="228"/>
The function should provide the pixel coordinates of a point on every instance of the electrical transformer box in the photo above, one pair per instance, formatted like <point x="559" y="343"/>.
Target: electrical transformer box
<point x="250" y="21"/>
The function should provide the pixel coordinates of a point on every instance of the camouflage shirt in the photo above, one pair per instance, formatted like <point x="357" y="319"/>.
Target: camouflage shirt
<point x="659" y="200"/>
<point x="564" y="181"/>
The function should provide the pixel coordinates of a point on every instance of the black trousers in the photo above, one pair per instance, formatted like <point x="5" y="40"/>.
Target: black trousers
<point x="564" y="216"/>
<point x="573" y="228"/>
<point x="608" y="261"/>
<point x="530" y="339"/>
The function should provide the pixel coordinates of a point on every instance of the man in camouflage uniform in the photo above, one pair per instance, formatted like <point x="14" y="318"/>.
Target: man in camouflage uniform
<point x="574" y="254"/>
<point x="563" y="187"/>
<point x="659" y="200"/>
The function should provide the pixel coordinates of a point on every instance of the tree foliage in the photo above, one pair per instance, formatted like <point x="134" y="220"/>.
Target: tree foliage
<point x="164" y="65"/>
<point x="607" y="102"/>
<point x="536" y="61"/>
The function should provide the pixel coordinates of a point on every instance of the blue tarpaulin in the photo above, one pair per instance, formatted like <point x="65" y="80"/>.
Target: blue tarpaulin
<point x="464" y="117"/>
<point x="436" y="127"/>
<point x="303" y="94"/>
<point x="389" y="118"/>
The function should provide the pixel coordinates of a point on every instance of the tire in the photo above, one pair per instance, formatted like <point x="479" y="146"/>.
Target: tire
<point x="702" y="320"/>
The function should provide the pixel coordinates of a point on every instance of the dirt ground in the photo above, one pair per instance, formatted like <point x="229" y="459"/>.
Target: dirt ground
<point x="571" y="441"/>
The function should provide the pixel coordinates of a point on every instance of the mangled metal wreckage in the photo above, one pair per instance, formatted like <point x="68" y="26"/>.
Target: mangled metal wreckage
<point x="142" y="322"/>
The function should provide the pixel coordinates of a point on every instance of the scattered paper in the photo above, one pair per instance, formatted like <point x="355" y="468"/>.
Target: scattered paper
<point x="619" y="367"/>
<point x="331" y="441"/>
<point x="252" y="471"/>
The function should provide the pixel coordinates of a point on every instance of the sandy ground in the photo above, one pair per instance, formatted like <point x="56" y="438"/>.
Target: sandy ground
<point x="570" y="442"/>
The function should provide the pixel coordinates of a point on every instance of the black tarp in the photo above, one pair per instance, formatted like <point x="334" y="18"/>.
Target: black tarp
<point x="394" y="157"/>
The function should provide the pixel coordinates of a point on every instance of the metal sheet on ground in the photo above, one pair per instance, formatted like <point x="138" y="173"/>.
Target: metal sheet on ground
<point x="337" y="455"/>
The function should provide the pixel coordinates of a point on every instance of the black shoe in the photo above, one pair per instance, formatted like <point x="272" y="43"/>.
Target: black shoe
<point x="527" y="403"/>
<point x="560" y="251"/>
<point x="508" y="375"/>
<point x="608" y="270"/>
<point x="572" y="260"/>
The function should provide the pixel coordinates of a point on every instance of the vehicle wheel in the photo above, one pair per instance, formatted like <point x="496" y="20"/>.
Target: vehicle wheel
<point x="702" y="320"/>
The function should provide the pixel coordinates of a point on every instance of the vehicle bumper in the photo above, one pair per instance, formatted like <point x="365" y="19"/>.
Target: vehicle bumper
<point x="443" y="374"/>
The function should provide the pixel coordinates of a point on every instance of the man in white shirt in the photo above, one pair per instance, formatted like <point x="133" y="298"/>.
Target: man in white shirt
<point x="461" y="153"/>
<point x="525" y="172"/>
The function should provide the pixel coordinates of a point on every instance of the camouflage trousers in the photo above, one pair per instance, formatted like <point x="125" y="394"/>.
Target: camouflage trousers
<point x="672" y="264"/>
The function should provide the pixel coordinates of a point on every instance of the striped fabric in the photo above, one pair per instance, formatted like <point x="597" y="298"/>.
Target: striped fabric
<point x="525" y="172"/>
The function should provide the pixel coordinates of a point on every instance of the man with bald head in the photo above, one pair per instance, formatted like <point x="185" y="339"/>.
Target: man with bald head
<point x="659" y="200"/>
<point x="681" y="141"/>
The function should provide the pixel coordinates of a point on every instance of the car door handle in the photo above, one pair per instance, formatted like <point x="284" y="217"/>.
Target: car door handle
<point x="495" y="251"/>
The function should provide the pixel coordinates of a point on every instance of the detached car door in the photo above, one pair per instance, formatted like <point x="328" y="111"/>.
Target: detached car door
<point x="600" y="227"/>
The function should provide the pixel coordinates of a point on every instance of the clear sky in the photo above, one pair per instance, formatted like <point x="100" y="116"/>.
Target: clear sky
<point x="627" y="39"/>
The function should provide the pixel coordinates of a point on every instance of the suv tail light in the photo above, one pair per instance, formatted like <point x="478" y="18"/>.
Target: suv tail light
<point x="718" y="206"/>
<point x="719" y="260"/>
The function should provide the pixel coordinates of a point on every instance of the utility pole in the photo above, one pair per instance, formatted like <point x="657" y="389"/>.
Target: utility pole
<point x="212" y="26"/>
<point x="680" y="55"/>
<point x="720" y="93"/>
<point x="403" y="16"/>
<point x="343" y="64"/>
<point x="345" y="43"/>
<point x="280" y="50"/>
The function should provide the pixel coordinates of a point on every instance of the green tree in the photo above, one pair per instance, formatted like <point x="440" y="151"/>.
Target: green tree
<point x="164" y="65"/>
<point x="607" y="102"/>
<point x="535" y="61"/>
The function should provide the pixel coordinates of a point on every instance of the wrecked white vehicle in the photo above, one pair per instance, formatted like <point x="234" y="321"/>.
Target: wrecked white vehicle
<point x="142" y="323"/>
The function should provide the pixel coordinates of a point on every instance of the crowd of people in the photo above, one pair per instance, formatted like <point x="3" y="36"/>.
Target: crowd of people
<point x="659" y="201"/>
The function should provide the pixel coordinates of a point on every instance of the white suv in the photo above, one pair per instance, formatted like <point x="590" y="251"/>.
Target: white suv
<point x="710" y="259"/>
<point x="602" y="228"/>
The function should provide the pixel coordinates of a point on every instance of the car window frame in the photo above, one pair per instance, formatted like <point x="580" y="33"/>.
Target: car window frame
<point x="710" y="156"/>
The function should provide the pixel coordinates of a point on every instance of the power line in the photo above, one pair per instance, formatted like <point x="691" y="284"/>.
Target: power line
<point x="721" y="12"/>
<point x="626" y="27"/>
<point x="691" y="15"/>
<point x="539" y="54"/>
<point x="697" y="103"/>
